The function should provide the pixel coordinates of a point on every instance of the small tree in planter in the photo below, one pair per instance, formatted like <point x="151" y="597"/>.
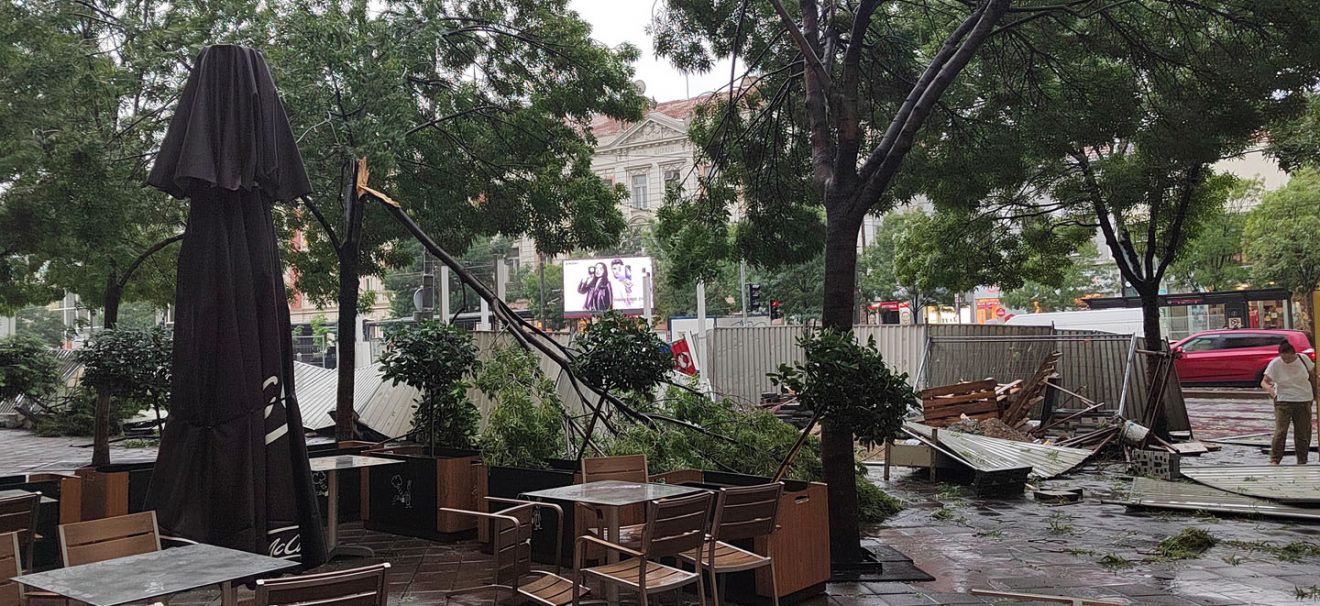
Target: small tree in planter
<point x="27" y="368"/>
<point x="621" y="355"/>
<point x="847" y="385"/>
<point x="434" y="358"/>
<point x="526" y="426"/>
<point x="133" y="365"/>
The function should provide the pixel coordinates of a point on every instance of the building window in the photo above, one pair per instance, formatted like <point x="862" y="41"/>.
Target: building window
<point x="673" y="178"/>
<point x="639" y="192"/>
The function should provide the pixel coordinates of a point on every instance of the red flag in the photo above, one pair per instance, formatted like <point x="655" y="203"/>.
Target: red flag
<point x="683" y="361"/>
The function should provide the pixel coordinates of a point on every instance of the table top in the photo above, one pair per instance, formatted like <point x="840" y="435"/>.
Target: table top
<point x="153" y="575"/>
<point x="612" y="493"/>
<point x="348" y="462"/>
<point x="5" y="494"/>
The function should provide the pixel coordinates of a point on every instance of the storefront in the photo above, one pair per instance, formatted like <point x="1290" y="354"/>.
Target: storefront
<point x="1187" y="313"/>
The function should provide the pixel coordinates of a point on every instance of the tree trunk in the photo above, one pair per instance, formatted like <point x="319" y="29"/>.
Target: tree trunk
<point x="101" y="423"/>
<point x="1150" y="315"/>
<point x="837" y="454"/>
<point x="348" y="302"/>
<point x="345" y="428"/>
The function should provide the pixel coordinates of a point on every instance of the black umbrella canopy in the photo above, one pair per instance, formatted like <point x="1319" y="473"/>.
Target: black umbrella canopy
<point x="232" y="468"/>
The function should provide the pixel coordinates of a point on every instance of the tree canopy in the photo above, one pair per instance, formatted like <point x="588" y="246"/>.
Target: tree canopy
<point x="1280" y="239"/>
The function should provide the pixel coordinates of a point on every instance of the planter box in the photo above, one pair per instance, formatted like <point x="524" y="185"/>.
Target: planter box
<point x="800" y="547"/>
<point x="66" y="490"/>
<point x="510" y="482"/>
<point x="113" y="490"/>
<point x="404" y="499"/>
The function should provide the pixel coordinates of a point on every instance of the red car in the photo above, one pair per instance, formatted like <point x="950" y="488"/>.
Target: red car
<point x="1233" y="356"/>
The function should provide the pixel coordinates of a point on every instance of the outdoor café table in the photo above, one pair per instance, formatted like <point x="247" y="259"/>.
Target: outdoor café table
<point x="9" y="494"/>
<point x="611" y="495"/>
<point x="156" y="574"/>
<point x="331" y="466"/>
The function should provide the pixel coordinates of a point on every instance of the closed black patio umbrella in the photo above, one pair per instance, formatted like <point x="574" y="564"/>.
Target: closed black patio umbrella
<point x="232" y="468"/>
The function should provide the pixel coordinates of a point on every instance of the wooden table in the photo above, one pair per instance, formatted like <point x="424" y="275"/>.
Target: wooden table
<point x="331" y="467"/>
<point x="157" y="574"/>
<point x="611" y="495"/>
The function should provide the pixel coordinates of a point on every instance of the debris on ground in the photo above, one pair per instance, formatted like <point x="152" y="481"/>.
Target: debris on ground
<point x="992" y="428"/>
<point x="1188" y="543"/>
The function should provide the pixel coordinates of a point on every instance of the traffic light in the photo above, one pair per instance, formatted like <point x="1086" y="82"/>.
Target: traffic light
<point x="753" y="297"/>
<point x="775" y="311"/>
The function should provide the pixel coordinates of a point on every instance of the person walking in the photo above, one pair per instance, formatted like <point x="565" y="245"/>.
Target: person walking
<point x="1289" y="379"/>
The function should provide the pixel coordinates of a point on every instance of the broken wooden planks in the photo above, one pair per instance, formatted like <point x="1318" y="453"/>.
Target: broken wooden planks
<point x="945" y="405"/>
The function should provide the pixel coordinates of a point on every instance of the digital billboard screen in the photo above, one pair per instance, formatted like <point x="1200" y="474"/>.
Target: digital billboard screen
<point x="594" y="286"/>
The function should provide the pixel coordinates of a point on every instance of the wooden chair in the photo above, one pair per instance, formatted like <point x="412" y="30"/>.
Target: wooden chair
<point x="363" y="586"/>
<point x="109" y="538"/>
<point x="628" y="468"/>
<point x="10" y="567"/>
<point x="511" y="545"/>
<point x="741" y="513"/>
<point x="674" y="527"/>
<point x="19" y="516"/>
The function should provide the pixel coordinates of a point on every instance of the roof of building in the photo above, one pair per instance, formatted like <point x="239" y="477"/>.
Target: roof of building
<point x="681" y="109"/>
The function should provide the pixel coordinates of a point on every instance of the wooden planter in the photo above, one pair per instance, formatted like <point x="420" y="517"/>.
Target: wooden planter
<point x="114" y="490"/>
<point x="800" y="546"/>
<point x="510" y="482"/>
<point x="404" y="499"/>
<point x="66" y="490"/>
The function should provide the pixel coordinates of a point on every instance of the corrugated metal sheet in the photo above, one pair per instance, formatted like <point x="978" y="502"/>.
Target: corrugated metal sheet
<point x="69" y="369"/>
<point x="1184" y="496"/>
<point x="1282" y="483"/>
<point x="316" y="388"/>
<point x="993" y="454"/>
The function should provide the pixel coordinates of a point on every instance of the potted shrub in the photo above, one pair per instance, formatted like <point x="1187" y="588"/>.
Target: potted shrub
<point x="131" y="369"/>
<point x="524" y="438"/>
<point x="440" y="469"/>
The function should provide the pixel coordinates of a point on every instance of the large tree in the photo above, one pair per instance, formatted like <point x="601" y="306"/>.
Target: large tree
<point x="1117" y="123"/>
<point x="1281" y="243"/>
<point x="473" y="115"/>
<point x="839" y="96"/>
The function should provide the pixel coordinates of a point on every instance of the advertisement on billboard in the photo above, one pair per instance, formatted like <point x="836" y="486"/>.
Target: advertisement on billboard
<point x="594" y="286"/>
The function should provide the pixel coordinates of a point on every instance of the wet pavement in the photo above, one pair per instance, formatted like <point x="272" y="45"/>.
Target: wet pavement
<point x="1086" y="549"/>
<point x="1090" y="549"/>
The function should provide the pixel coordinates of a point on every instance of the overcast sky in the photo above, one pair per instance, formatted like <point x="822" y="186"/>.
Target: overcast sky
<point x="617" y="21"/>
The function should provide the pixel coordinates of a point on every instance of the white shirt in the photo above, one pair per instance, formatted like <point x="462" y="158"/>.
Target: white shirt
<point x="1291" y="381"/>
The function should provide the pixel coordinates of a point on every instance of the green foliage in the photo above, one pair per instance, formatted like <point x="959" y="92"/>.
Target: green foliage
<point x="74" y="415"/>
<point x="1190" y="542"/>
<point x="434" y="358"/>
<point x="527" y="287"/>
<point x="41" y="323"/>
<point x="1213" y="259"/>
<point x="958" y="250"/>
<point x="757" y="443"/>
<point x="1295" y="142"/>
<point x="472" y="115"/>
<point x="526" y="426"/>
<point x="27" y="368"/>
<point x="850" y="383"/>
<point x="1082" y="277"/>
<point x="620" y="353"/>
<point x="1280" y="235"/>
<point x="131" y="365"/>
